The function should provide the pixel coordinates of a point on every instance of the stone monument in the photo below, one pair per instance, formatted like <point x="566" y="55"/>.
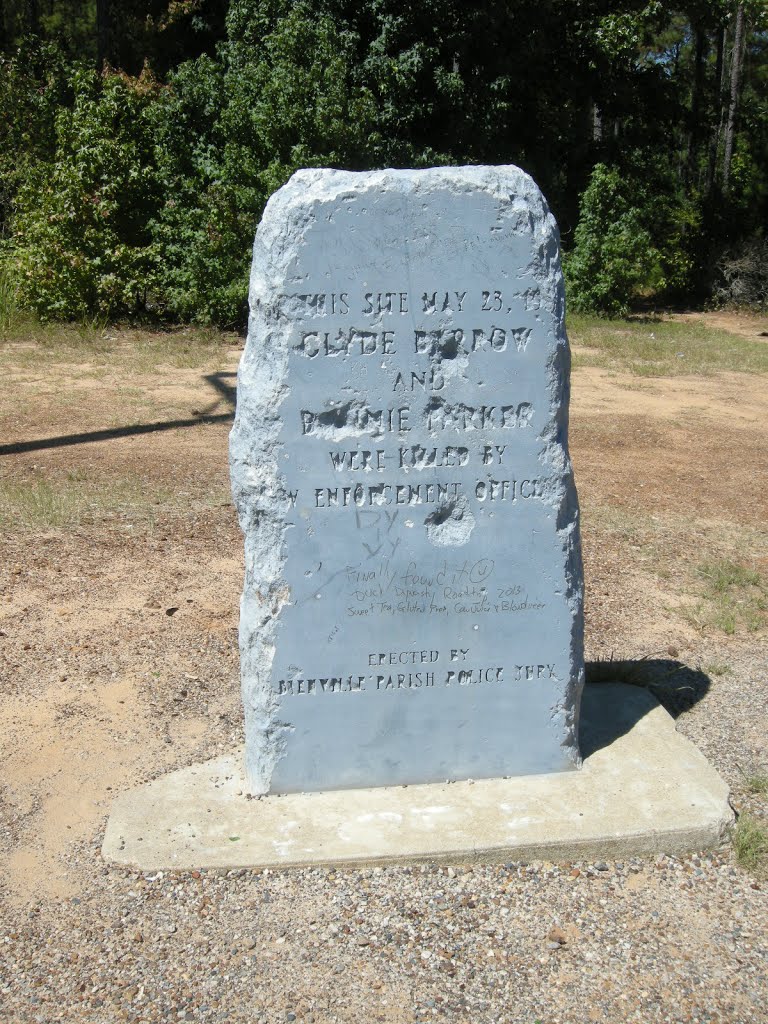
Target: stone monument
<point x="412" y="608"/>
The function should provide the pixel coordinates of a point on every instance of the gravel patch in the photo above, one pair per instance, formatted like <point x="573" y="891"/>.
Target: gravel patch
<point x="667" y="940"/>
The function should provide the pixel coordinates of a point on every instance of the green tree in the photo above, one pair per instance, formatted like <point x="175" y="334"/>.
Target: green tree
<point x="124" y="34"/>
<point x="229" y="132"/>
<point x="81" y="224"/>
<point x="662" y="103"/>
<point x="33" y="89"/>
<point x="614" y="256"/>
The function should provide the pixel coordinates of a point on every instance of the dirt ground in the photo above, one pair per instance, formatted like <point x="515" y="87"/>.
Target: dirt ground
<point x="118" y="628"/>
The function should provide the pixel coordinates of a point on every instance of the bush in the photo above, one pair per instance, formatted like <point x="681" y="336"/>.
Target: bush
<point x="33" y="86"/>
<point x="743" y="275"/>
<point x="148" y="197"/>
<point x="9" y="298"/>
<point x="202" y="225"/>
<point x="232" y="130"/>
<point x="82" y="245"/>
<point x="613" y="256"/>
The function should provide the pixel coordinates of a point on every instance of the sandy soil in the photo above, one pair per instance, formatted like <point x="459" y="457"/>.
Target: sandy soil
<point x="118" y="656"/>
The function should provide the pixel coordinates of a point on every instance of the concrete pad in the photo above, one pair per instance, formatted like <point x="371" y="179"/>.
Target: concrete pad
<point x="643" y="789"/>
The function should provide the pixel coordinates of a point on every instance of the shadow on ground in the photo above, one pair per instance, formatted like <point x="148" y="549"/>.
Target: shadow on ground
<point x="674" y="685"/>
<point x="227" y="395"/>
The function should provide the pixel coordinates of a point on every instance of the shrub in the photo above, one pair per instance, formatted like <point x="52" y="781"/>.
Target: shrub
<point x="743" y="275"/>
<point x="9" y="298"/>
<point x="33" y="84"/>
<point x="232" y="130"/>
<point x="81" y="224"/>
<point x="613" y="256"/>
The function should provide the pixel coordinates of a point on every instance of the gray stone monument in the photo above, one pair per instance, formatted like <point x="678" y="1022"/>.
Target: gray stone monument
<point x="412" y="609"/>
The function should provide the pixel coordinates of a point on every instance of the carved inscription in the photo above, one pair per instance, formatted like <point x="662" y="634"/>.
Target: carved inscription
<point x="459" y="671"/>
<point x="378" y="588"/>
<point x="436" y="352"/>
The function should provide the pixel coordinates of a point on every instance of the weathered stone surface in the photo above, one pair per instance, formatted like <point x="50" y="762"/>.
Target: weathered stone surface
<point x="412" y="609"/>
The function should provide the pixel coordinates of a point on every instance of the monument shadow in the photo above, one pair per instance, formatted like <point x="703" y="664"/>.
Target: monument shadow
<point x="674" y="685"/>
<point x="218" y="381"/>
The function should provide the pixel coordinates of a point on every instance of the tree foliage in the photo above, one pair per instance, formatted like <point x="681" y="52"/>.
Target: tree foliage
<point x="135" y="191"/>
<point x="614" y="253"/>
<point x="83" y="246"/>
<point x="231" y="131"/>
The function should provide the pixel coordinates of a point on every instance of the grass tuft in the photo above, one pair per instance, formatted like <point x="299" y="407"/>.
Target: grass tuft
<point x="735" y="596"/>
<point x="45" y="505"/>
<point x="634" y="671"/>
<point x="674" y="685"/>
<point x="716" y="668"/>
<point x="37" y="505"/>
<point x="654" y="347"/>
<point x="750" y="842"/>
<point x="723" y="576"/>
<point x="757" y="784"/>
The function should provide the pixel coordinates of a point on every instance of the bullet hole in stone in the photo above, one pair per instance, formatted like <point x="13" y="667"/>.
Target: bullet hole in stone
<point x="335" y="417"/>
<point x="450" y="524"/>
<point x="449" y="346"/>
<point x="441" y="514"/>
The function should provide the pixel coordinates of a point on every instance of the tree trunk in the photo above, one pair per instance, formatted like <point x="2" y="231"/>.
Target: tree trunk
<point x="103" y="32"/>
<point x="694" y="129"/>
<point x="5" y="30"/>
<point x="717" y="122"/>
<point x="737" y="63"/>
<point x="597" y="124"/>
<point x="32" y="13"/>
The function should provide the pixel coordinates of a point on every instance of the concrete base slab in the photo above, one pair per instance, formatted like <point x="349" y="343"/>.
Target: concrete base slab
<point x="643" y="789"/>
